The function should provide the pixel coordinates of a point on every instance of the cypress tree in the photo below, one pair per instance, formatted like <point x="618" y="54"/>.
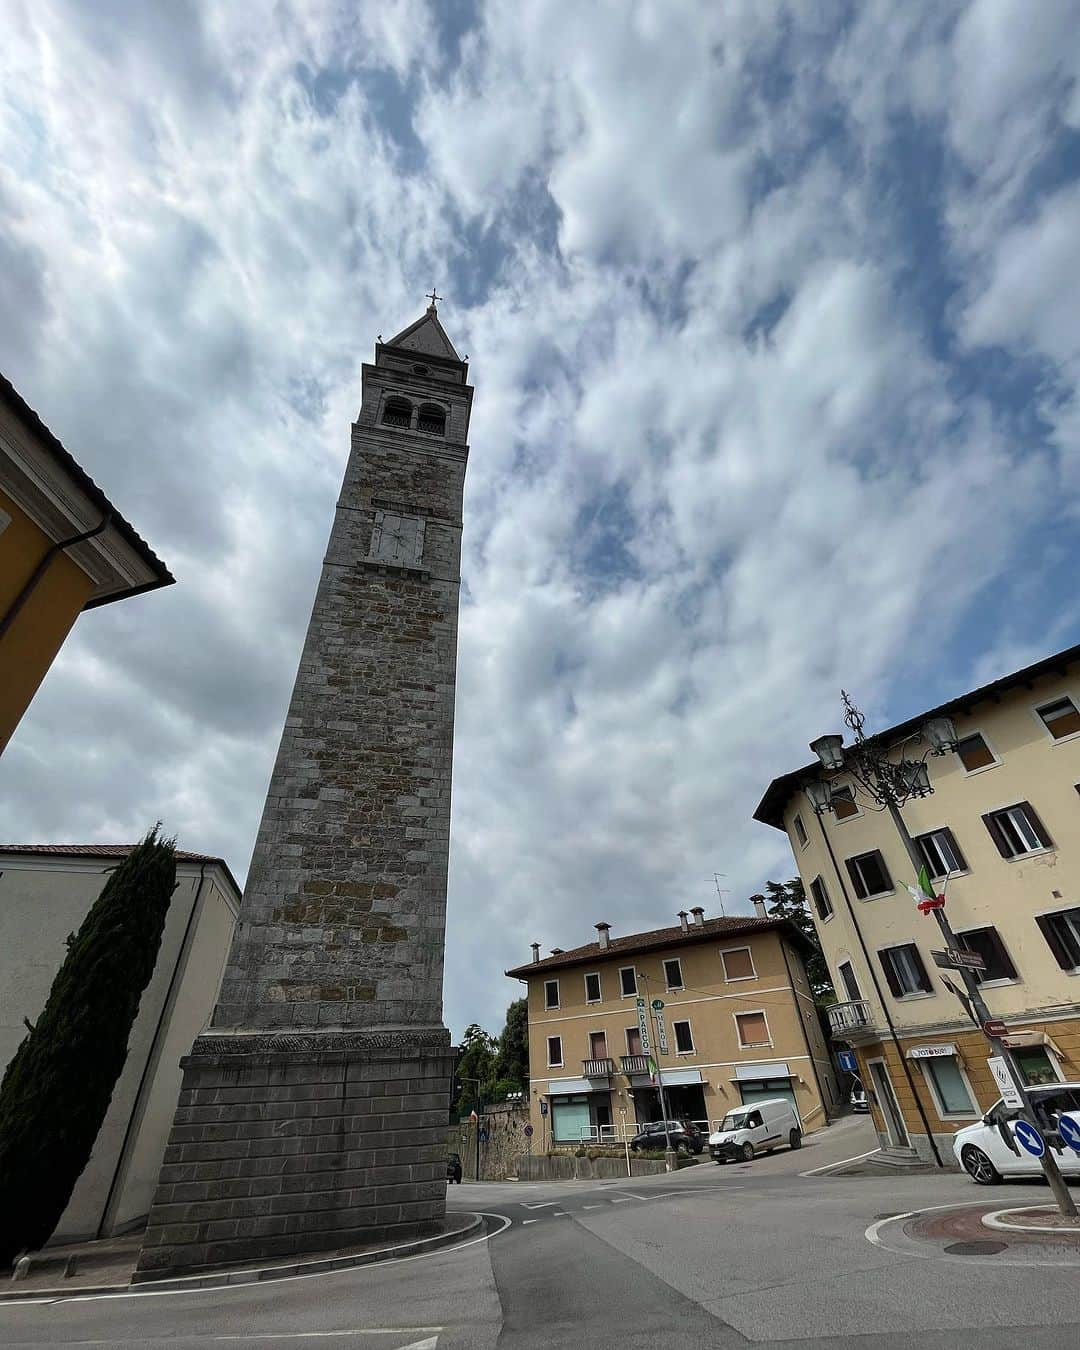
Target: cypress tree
<point x="57" y="1088"/>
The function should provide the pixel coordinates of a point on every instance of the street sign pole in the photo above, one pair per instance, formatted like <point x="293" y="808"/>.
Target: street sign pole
<point x="661" y="1039"/>
<point x="980" y="1014"/>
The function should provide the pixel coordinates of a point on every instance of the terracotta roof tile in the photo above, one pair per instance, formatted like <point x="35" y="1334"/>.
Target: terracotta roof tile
<point x="657" y="939"/>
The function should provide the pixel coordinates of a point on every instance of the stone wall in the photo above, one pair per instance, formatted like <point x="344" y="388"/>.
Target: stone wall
<point x="505" y="1128"/>
<point x="568" y="1167"/>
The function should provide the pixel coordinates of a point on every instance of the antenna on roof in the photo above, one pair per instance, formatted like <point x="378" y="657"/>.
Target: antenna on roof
<point x="721" y="891"/>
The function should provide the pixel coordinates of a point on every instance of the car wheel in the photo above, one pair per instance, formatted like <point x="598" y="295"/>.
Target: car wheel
<point x="747" y="1152"/>
<point x="978" y="1166"/>
<point x="795" y="1139"/>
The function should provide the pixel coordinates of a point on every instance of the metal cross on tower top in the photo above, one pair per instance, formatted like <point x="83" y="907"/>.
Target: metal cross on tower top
<point x="433" y="297"/>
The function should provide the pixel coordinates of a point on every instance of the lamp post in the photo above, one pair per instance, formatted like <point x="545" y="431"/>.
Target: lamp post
<point x="888" y="784"/>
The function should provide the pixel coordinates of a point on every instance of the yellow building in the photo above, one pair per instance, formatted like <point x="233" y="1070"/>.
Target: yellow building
<point x="63" y="548"/>
<point x="739" y="1025"/>
<point x="1003" y="824"/>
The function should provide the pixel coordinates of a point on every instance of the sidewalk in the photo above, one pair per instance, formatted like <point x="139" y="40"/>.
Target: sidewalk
<point x="108" y="1267"/>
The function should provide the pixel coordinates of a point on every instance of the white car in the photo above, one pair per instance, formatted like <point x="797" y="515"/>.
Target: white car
<point x="986" y="1158"/>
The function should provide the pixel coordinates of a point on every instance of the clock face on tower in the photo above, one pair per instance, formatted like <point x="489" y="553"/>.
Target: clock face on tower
<point x="397" y="539"/>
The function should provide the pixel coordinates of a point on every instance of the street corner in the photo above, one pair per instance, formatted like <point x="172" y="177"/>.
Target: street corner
<point x="1033" y="1234"/>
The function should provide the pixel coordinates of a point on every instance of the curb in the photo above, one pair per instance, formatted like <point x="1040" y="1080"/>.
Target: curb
<point x="256" y="1274"/>
<point x="995" y="1219"/>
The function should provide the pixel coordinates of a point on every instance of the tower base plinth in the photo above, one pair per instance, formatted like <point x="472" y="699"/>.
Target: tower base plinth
<point x="284" y="1143"/>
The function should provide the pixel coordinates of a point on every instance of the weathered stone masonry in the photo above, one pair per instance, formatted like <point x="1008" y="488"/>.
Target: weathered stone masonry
<point x="313" y="1110"/>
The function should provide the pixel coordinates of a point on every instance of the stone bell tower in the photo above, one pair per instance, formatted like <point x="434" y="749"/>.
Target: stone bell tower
<point x="314" y="1108"/>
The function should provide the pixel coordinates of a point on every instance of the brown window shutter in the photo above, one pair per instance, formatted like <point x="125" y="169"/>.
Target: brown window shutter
<point x="890" y="975"/>
<point x="1037" y="825"/>
<point x="884" y="870"/>
<point x="856" y="879"/>
<point x="1061" y="955"/>
<point x="951" y="838"/>
<point x="1007" y="967"/>
<point x="996" y="834"/>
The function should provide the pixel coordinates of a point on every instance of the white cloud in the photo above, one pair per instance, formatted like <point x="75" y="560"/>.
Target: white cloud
<point x="722" y="458"/>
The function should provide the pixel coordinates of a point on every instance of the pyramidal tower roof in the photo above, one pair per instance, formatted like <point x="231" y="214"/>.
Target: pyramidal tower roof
<point x="426" y="336"/>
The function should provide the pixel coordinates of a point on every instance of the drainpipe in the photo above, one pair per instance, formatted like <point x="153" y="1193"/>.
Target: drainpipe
<point x="905" y="1066"/>
<point x="153" y="1055"/>
<point x="16" y="606"/>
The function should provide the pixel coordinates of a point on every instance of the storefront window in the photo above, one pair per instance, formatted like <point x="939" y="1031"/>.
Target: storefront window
<point x="1035" y="1064"/>
<point x="951" y="1091"/>
<point x="570" y="1122"/>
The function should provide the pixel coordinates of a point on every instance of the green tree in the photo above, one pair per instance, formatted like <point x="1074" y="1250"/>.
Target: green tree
<point x="476" y="1062"/>
<point x="57" y="1087"/>
<point x="787" y="900"/>
<point x="512" y="1062"/>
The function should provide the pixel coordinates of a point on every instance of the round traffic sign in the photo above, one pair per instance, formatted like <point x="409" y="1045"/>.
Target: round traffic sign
<point x="658" y="1004"/>
<point x="1070" y="1132"/>
<point x="1027" y="1136"/>
<point x="528" y="1131"/>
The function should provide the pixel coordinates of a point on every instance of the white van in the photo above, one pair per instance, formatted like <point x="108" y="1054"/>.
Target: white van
<point x="757" y="1127"/>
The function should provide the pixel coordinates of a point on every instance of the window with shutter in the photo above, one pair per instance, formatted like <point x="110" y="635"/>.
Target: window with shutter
<point x="673" y="973"/>
<point x="904" y="970"/>
<point x="1017" y="830"/>
<point x="684" y="1040"/>
<point x="975" y="753"/>
<point x="940" y="852"/>
<point x="592" y="988"/>
<point x="869" y="875"/>
<point x="738" y="964"/>
<point x="1062" y="934"/>
<point x="987" y="943"/>
<point x="843" y="803"/>
<point x="554" y="1052"/>
<point x="822" y="903"/>
<point x="1060" y="718"/>
<point x="753" y="1029"/>
<point x="848" y="980"/>
<point x="551" y="993"/>
<point x="628" y="981"/>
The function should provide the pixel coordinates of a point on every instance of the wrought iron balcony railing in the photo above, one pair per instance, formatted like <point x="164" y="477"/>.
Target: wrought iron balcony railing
<point x="847" y="1017"/>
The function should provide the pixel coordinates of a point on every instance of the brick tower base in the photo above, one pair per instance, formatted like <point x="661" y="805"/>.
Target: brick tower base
<point x="301" y="1142"/>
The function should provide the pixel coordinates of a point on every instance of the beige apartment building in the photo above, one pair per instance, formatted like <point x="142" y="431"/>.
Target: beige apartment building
<point x="1001" y="825"/>
<point x="46" y="891"/>
<point x="739" y="1025"/>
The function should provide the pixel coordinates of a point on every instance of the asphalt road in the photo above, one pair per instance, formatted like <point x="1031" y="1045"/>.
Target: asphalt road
<point x="710" y="1257"/>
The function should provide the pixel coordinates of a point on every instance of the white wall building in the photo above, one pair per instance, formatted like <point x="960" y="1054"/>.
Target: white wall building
<point x="46" y="891"/>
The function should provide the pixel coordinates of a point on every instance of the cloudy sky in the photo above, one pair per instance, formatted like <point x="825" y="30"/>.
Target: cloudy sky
<point x="772" y="315"/>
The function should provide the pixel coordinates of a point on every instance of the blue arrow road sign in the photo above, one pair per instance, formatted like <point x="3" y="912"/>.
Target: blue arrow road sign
<point x="1069" y="1131"/>
<point x="1027" y="1136"/>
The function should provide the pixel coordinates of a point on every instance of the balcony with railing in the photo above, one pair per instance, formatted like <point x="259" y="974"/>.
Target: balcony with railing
<point x="635" y="1064"/>
<point x="597" y="1068"/>
<point x="845" y="1018"/>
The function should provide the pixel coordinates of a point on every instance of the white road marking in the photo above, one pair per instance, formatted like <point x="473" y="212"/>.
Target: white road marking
<point x="829" y="1167"/>
<point x="351" y="1331"/>
<point x="630" y="1195"/>
<point x="544" y="1204"/>
<point x="526" y="1222"/>
<point x="622" y="1199"/>
<point x="592" y="1206"/>
<point x="285" y="1279"/>
<point x="560" y="1214"/>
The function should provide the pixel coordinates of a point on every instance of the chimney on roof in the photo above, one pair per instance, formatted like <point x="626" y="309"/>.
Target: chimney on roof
<point x="603" y="929"/>
<point x="536" y="951"/>
<point x="758" y="901"/>
<point x="683" y="921"/>
<point x="699" y="915"/>
<point x="557" y="951"/>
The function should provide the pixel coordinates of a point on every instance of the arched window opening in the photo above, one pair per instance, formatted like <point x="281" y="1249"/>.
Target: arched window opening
<point x="432" y="418"/>
<point x="397" y="412"/>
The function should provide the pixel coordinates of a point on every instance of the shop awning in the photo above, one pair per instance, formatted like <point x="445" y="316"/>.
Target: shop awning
<point x="570" y="1087"/>
<point x="754" y="1072"/>
<point x="680" y="1077"/>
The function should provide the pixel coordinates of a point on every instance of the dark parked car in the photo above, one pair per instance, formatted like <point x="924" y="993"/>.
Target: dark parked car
<point x="685" y="1138"/>
<point x="453" y="1168"/>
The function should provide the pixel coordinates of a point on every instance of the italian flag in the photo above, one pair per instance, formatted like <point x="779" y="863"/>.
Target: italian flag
<point x="925" y="884"/>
